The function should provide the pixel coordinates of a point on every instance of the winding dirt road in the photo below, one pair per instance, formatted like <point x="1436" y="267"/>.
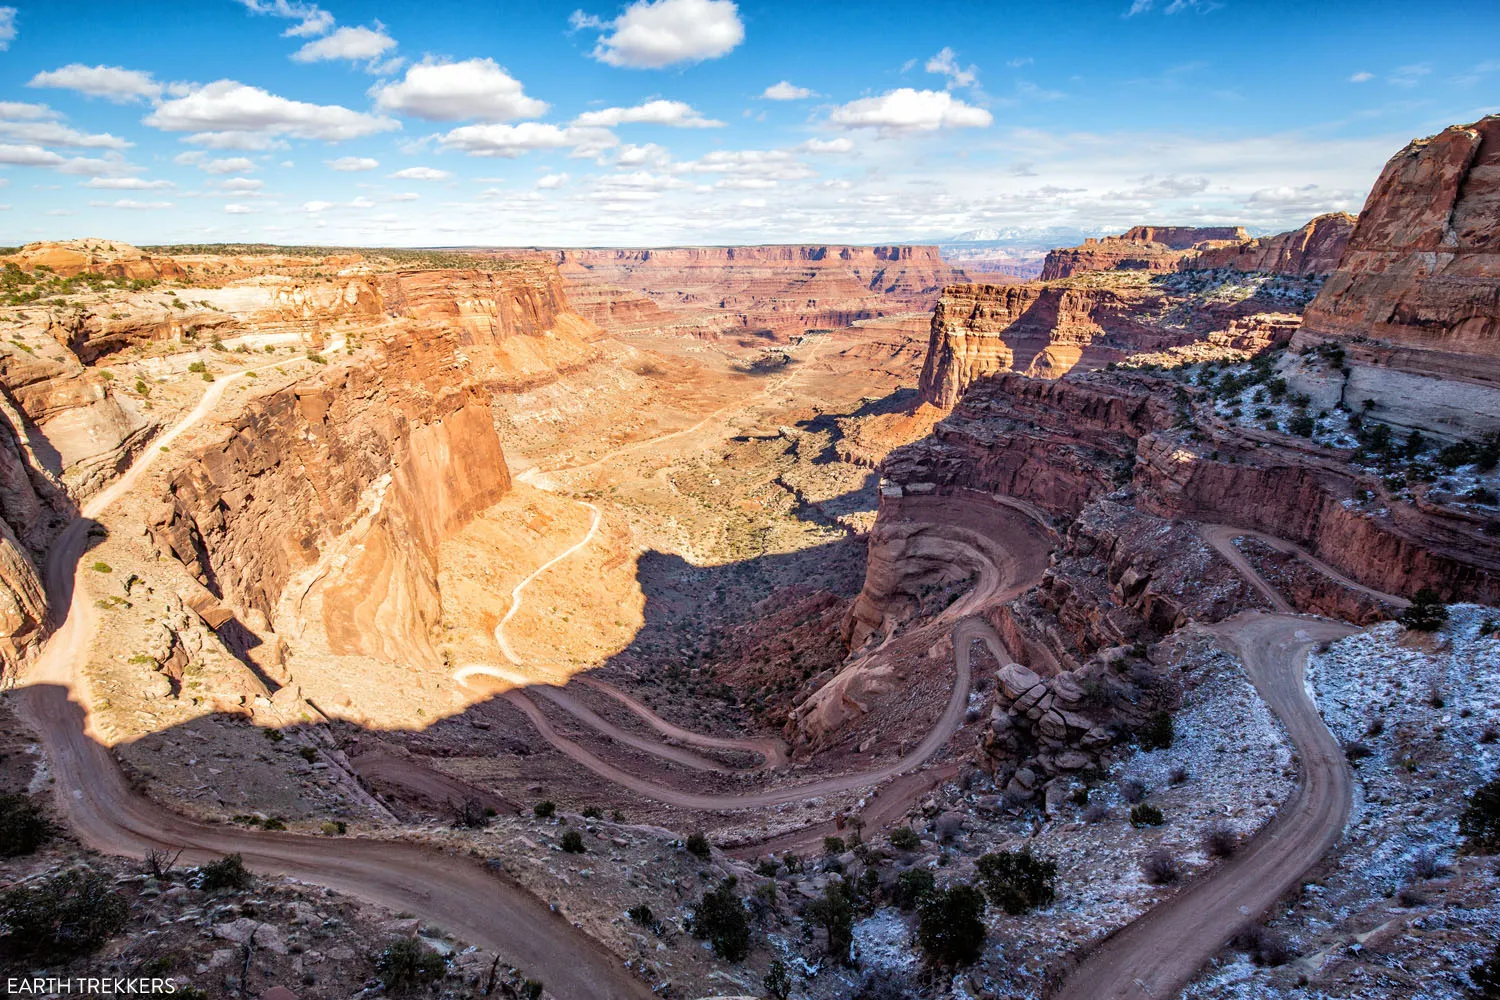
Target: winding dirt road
<point x="1157" y="955"/>
<point x="479" y="905"/>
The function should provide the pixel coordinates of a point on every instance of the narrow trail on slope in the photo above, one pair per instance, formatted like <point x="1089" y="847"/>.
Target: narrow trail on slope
<point x="477" y="904"/>
<point x="1158" y="954"/>
<point x="1222" y="536"/>
<point x="1000" y="577"/>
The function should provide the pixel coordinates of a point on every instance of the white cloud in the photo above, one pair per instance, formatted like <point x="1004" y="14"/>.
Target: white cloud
<point x="631" y="155"/>
<point x="354" y="44"/>
<point x="236" y="209"/>
<point x="361" y="202"/>
<point x="249" y="141"/>
<point x="29" y="156"/>
<point x="839" y="145"/>
<point x="21" y="111"/>
<point x="1410" y="76"/>
<point x="113" y="83"/>
<point x="1173" y="7"/>
<point x="453" y="91"/>
<point x="241" y="185"/>
<point x="230" y="106"/>
<point x="785" y="91"/>
<point x="132" y="204"/>
<point x="552" y="181"/>
<point x="50" y="133"/>
<point x="770" y="164"/>
<point x="312" y="19"/>
<point x="512" y="140"/>
<point x="7" y="27"/>
<point x="227" y="165"/>
<point x="677" y="114"/>
<point x="353" y="164"/>
<point x="422" y="174"/>
<point x="651" y="34"/>
<point x="128" y="184"/>
<point x="405" y="196"/>
<point x="1361" y="77"/>
<point x="906" y="110"/>
<point x="946" y="63"/>
<point x="314" y="207"/>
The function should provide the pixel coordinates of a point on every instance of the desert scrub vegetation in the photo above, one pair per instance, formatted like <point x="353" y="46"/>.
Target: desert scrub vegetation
<point x="1479" y="824"/>
<point x="70" y="913"/>
<point x="1018" y="881"/>
<point x="698" y="846"/>
<point x="950" y="926"/>
<point x="1160" y="866"/>
<point x="407" y="964"/>
<point x="229" y="872"/>
<point x="1146" y="815"/>
<point x="719" y="918"/>
<point x="1427" y="612"/>
<point x="544" y="809"/>
<point x="23" y="827"/>
<point x="904" y="838"/>
<point x="571" y="842"/>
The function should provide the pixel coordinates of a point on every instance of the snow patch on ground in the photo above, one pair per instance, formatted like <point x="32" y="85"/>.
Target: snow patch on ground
<point x="1377" y="922"/>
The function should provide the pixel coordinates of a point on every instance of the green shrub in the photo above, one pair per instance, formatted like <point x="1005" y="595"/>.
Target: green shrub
<point x="308" y="754"/>
<point x="720" y="920"/>
<point x="102" y="567"/>
<point x="592" y="812"/>
<point x="197" y="366"/>
<point x="572" y="842"/>
<point x="835" y="914"/>
<point x="912" y="886"/>
<point x="334" y="828"/>
<point x="1486" y="976"/>
<point x="23" y="828"/>
<point x="1156" y="733"/>
<point x="778" y="980"/>
<point x="544" y="809"/>
<point x="1146" y="815"/>
<point x="697" y="845"/>
<point x="67" y="914"/>
<point x="407" y="964"/>
<point x="227" y="873"/>
<point x="904" y="838"/>
<point x="1427" y="612"/>
<point x="1479" y="824"/>
<point x="950" y="927"/>
<point x="833" y="845"/>
<point x="1018" y="881"/>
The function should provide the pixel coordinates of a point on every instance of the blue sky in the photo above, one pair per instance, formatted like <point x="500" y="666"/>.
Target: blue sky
<point x="709" y="121"/>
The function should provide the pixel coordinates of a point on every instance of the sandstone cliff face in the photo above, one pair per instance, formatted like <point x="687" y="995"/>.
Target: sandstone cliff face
<point x="1416" y="299"/>
<point x="1154" y="249"/>
<point x="109" y="258"/>
<point x="1047" y="330"/>
<point x="385" y="458"/>
<point x="1315" y="248"/>
<point x="778" y="290"/>
<point x="1063" y="443"/>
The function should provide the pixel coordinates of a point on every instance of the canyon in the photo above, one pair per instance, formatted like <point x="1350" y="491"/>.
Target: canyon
<point x="523" y="597"/>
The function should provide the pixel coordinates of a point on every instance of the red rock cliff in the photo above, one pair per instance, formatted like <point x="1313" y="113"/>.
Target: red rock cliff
<point x="780" y="290"/>
<point x="384" y="457"/>
<point x="1416" y="299"/>
<point x="1315" y="248"/>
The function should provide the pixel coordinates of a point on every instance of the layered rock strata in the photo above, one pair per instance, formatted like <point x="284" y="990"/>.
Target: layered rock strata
<point x="387" y="456"/>
<point x="1415" y="303"/>
<point x="1154" y="249"/>
<point x="776" y="291"/>
<point x="1314" y="249"/>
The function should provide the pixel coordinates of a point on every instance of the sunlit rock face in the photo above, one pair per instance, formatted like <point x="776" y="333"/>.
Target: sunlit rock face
<point x="1415" y="303"/>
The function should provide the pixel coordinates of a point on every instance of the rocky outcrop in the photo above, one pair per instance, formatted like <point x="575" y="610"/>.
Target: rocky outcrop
<point x="1154" y="249"/>
<point x="384" y="458"/>
<point x="108" y="258"/>
<point x="1062" y="444"/>
<point x="780" y="291"/>
<point x="1314" y="249"/>
<point x="1047" y="330"/>
<point x="1415" y="304"/>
